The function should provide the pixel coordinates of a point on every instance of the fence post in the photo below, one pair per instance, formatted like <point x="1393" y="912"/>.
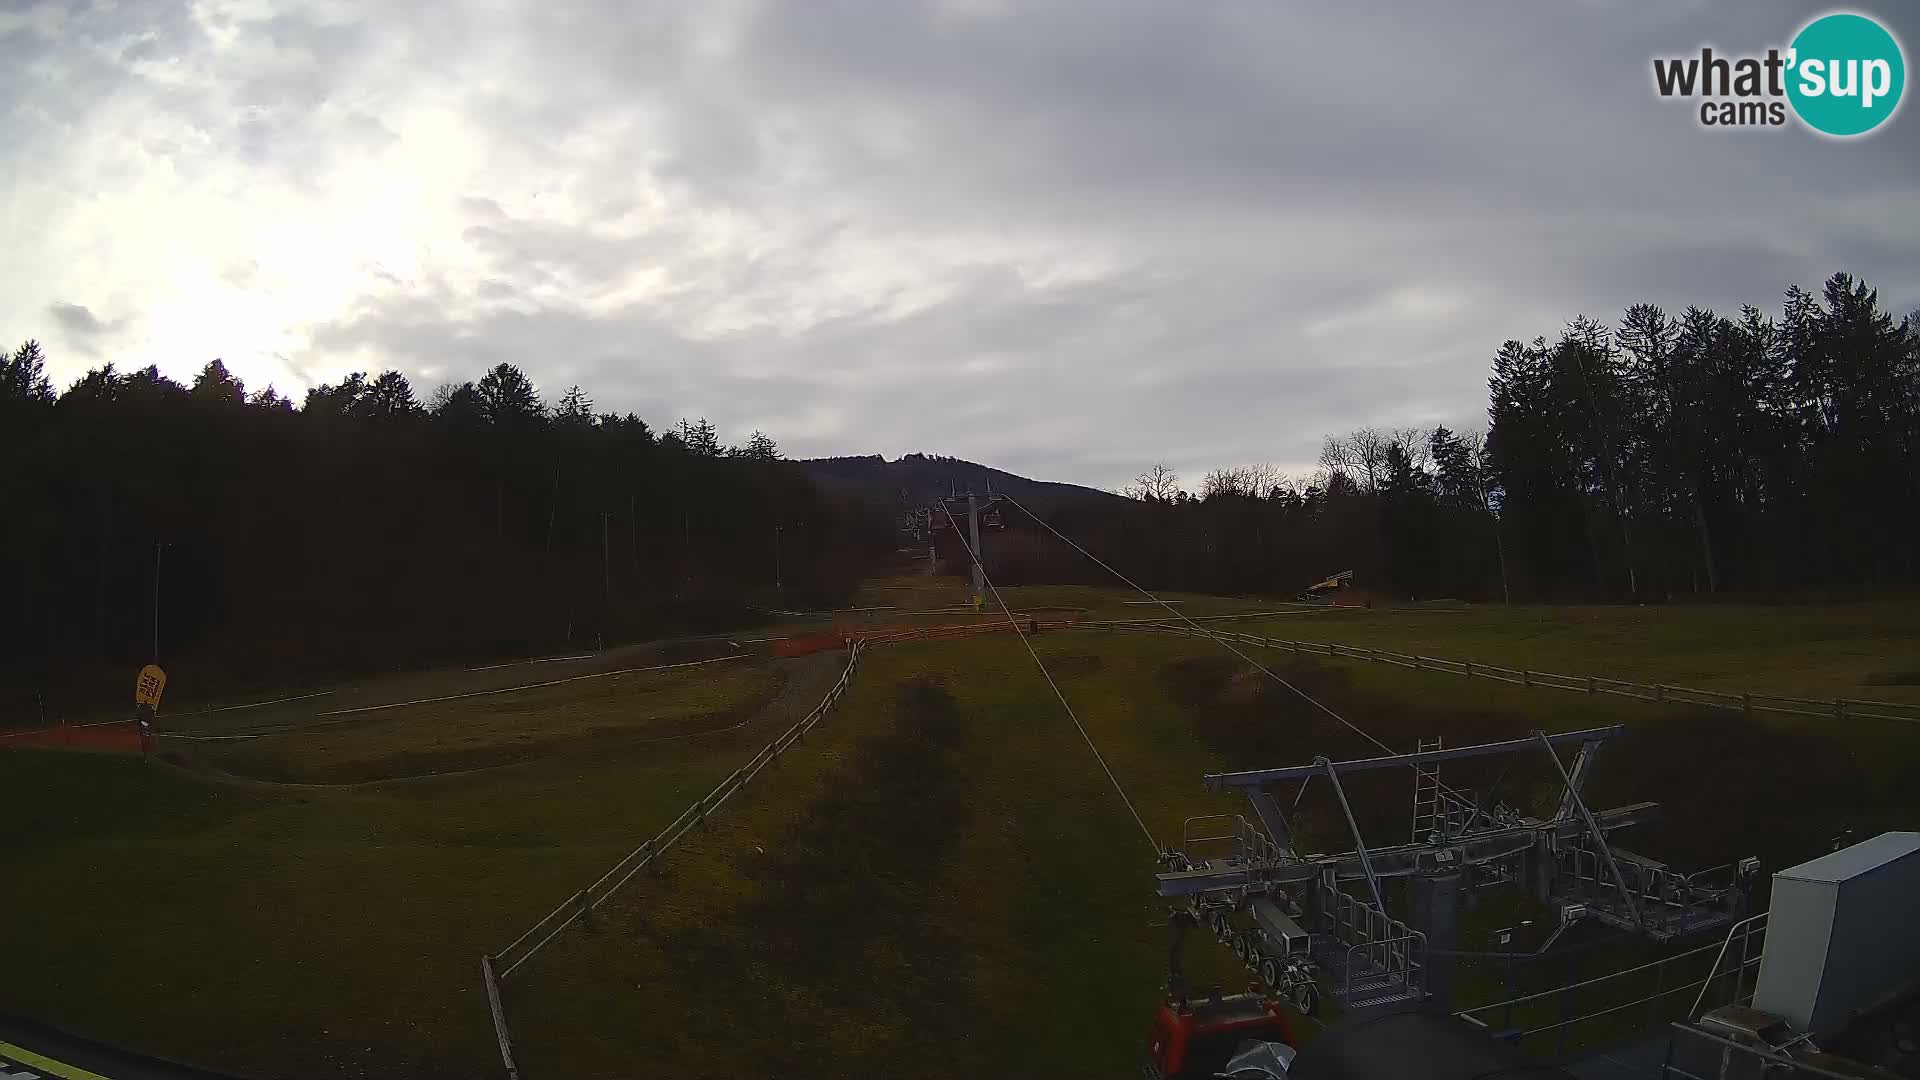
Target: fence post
<point x="1589" y="684"/>
<point x="1659" y="692"/>
<point x="1469" y="669"/>
<point x="1333" y="649"/>
<point x="499" y="1017"/>
<point x="1526" y="677"/>
<point x="1839" y="709"/>
<point x="1746" y="705"/>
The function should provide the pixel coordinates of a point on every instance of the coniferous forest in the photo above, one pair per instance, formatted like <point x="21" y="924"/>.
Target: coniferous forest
<point x="367" y="529"/>
<point x="1667" y="457"/>
<point x="1691" y="456"/>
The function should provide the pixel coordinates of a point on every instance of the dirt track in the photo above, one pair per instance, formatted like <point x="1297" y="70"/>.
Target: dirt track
<point x="122" y="736"/>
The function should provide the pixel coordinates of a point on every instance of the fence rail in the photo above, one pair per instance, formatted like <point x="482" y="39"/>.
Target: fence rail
<point x="1839" y="708"/>
<point x="496" y="967"/>
<point x="609" y="883"/>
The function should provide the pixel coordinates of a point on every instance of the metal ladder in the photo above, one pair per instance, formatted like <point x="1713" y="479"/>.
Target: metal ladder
<point x="1426" y="794"/>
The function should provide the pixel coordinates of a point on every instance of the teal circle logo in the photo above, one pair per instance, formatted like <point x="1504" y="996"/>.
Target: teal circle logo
<point x="1846" y="74"/>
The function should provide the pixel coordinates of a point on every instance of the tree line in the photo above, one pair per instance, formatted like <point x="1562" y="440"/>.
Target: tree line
<point x="367" y="529"/>
<point x="1697" y="455"/>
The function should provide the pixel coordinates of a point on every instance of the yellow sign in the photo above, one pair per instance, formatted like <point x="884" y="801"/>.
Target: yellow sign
<point x="147" y="690"/>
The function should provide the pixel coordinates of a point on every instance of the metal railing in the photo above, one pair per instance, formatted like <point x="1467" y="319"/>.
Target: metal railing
<point x="1744" y="929"/>
<point x="1391" y="960"/>
<point x="1657" y="1002"/>
<point x="1653" y="884"/>
<point x="1256" y="847"/>
<point x="1210" y="836"/>
<point x="1393" y="950"/>
<point x="1829" y="708"/>
<point x="1694" y="1054"/>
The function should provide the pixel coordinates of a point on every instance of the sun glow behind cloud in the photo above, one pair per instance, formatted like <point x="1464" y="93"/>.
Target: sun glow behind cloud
<point x="956" y="227"/>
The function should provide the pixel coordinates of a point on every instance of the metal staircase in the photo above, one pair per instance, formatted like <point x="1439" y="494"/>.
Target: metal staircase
<point x="1368" y="957"/>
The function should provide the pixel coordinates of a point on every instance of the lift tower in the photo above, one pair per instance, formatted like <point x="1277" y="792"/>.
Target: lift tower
<point x="977" y="506"/>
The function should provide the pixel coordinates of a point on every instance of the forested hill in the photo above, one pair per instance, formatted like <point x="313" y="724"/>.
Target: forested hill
<point x="367" y="528"/>
<point x="917" y="479"/>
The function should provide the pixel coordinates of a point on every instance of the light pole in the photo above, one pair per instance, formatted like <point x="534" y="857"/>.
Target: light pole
<point x="606" y="563"/>
<point x="776" y="557"/>
<point x="158" y="547"/>
<point x="606" y="582"/>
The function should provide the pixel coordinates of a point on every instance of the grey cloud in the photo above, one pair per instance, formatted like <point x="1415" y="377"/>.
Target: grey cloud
<point x="1070" y="238"/>
<point x="80" y="322"/>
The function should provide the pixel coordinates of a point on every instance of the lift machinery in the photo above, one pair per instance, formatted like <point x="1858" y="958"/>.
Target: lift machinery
<point x="1307" y="924"/>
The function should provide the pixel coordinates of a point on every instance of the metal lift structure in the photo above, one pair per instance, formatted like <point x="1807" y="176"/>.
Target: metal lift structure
<point x="1243" y="878"/>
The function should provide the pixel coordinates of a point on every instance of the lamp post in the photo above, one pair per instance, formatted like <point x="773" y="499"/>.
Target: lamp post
<point x="776" y="557"/>
<point x="158" y="547"/>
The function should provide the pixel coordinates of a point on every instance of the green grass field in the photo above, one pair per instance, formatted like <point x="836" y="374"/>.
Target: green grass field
<point x="1868" y="651"/>
<point x="942" y="875"/>
<point x="327" y="930"/>
<point x="498" y="728"/>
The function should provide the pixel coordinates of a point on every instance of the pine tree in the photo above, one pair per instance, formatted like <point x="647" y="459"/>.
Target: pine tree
<point x="575" y="410"/>
<point x="388" y="397"/>
<point x="699" y="439"/>
<point x="23" y="376"/>
<point x="336" y="399"/>
<point x="508" y="399"/>
<point x="215" y="383"/>
<point x="761" y="447"/>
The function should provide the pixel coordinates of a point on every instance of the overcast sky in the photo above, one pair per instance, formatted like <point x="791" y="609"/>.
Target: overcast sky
<point x="1064" y="237"/>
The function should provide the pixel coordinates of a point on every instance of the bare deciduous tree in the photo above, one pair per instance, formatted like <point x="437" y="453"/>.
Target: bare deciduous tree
<point x="1413" y="442"/>
<point x="1360" y="456"/>
<point x="1223" y="482"/>
<point x="1158" y="484"/>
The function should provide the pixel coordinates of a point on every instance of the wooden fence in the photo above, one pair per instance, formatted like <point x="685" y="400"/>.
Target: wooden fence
<point x="496" y="967"/>
<point x="1839" y="708"/>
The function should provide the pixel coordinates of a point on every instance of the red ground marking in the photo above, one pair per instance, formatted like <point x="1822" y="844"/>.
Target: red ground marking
<point x="805" y="644"/>
<point x="122" y="736"/>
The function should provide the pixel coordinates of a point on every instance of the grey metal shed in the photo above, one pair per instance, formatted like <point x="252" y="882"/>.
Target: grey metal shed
<point x="1843" y="934"/>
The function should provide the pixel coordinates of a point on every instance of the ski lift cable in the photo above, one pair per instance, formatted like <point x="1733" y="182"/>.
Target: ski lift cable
<point x="1218" y="640"/>
<point x="1044" y="673"/>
